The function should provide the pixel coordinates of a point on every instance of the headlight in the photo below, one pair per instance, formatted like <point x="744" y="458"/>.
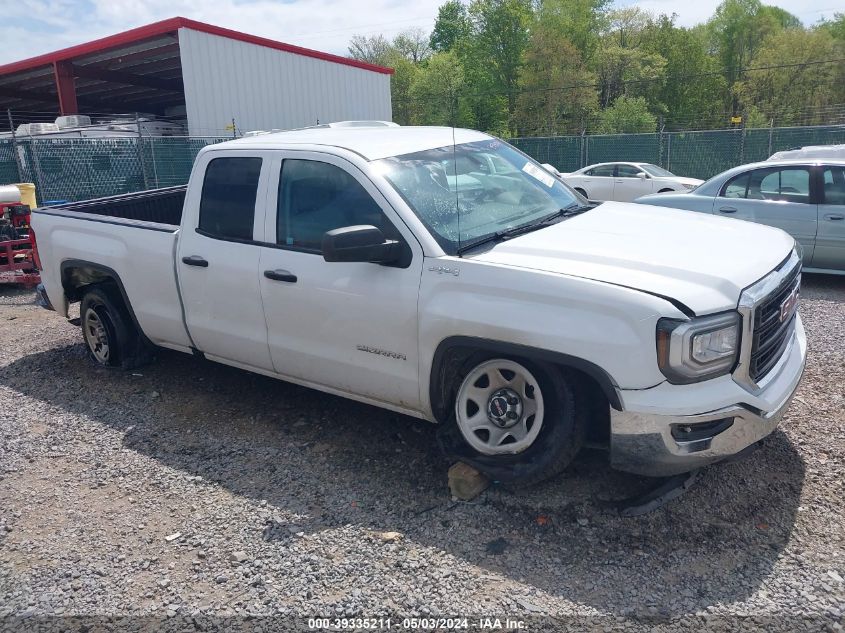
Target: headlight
<point x="690" y="187"/>
<point x="698" y="349"/>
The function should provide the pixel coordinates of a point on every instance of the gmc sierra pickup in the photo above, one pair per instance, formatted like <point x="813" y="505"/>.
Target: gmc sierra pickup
<point x="443" y="274"/>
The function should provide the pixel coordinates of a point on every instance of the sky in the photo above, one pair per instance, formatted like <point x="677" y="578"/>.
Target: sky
<point x="32" y="27"/>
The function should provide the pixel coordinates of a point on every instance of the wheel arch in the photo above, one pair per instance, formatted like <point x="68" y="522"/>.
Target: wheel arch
<point x="77" y="274"/>
<point x="453" y="351"/>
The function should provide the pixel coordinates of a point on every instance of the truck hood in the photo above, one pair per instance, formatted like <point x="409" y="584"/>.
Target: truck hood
<point x="702" y="261"/>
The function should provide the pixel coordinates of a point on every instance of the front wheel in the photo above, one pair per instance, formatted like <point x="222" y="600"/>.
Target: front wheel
<point x="517" y="421"/>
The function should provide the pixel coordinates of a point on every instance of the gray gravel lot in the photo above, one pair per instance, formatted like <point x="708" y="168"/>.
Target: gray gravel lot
<point x="190" y="488"/>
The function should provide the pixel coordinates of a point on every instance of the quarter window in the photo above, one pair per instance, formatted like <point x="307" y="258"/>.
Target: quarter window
<point x="316" y="197"/>
<point x="227" y="205"/>
<point x="737" y="187"/>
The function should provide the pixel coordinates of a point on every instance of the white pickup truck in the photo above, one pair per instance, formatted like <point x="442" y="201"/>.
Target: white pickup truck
<point x="443" y="274"/>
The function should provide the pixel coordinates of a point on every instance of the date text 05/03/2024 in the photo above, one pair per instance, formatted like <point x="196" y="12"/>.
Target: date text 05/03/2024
<point x="419" y="624"/>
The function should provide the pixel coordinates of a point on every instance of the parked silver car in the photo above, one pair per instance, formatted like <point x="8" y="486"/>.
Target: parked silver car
<point x="805" y="198"/>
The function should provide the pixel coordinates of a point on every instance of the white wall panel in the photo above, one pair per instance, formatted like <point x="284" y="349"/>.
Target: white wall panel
<point x="264" y="88"/>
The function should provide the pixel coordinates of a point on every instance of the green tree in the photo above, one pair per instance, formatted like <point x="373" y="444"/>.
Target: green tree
<point x="737" y="31"/>
<point x="623" y="65"/>
<point x="579" y="21"/>
<point x="626" y="115"/>
<point x="499" y="40"/>
<point x="404" y="74"/>
<point x="557" y="94"/>
<point x="451" y="27"/>
<point x="798" y="92"/>
<point x="691" y="92"/>
<point x="437" y="92"/>
<point x="836" y="26"/>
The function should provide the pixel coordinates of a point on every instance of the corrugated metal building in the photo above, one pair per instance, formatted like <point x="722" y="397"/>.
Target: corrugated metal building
<point x="207" y="73"/>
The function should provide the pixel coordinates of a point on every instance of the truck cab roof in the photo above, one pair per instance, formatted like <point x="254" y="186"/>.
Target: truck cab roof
<point x="372" y="143"/>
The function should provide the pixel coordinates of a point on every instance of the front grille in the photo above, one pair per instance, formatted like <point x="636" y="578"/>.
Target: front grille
<point x="770" y="335"/>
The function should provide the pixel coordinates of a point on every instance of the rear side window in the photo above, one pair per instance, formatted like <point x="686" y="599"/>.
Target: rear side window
<point x="786" y="185"/>
<point x="227" y="205"/>
<point x="601" y="170"/>
<point x="627" y="171"/>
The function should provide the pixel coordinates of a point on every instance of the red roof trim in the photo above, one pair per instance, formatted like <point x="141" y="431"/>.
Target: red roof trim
<point x="172" y="25"/>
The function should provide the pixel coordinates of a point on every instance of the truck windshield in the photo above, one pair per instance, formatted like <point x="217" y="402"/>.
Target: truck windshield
<point x="465" y="193"/>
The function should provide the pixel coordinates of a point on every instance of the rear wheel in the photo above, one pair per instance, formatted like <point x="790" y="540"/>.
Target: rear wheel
<point x="107" y="328"/>
<point x="516" y="420"/>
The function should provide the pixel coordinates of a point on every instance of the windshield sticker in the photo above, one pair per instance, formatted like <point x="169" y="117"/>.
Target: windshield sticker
<point x="540" y="174"/>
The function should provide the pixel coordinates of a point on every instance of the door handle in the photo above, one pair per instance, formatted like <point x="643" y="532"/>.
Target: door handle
<point x="195" y="260"/>
<point x="280" y="275"/>
<point x="727" y="210"/>
<point x="834" y="216"/>
<point x="621" y="182"/>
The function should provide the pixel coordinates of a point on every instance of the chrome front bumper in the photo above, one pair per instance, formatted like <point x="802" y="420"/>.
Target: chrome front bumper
<point x="642" y="440"/>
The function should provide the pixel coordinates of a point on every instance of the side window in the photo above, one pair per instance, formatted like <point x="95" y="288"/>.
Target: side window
<point x="316" y="197"/>
<point x="788" y="185"/>
<point x="602" y="170"/>
<point x="736" y="187"/>
<point x="227" y="205"/>
<point x="834" y="185"/>
<point x="627" y="171"/>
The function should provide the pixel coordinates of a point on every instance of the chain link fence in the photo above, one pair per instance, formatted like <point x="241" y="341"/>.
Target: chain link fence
<point x="700" y="154"/>
<point x="71" y="169"/>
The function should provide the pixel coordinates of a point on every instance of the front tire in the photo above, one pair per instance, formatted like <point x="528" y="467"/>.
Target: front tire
<point x="581" y="191"/>
<point x="516" y="420"/>
<point x="109" y="333"/>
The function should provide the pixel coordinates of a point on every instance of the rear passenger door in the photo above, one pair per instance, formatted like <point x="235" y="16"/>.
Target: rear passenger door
<point x="348" y="326"/>
<point x="217" y="259"/>
<point x="776" y="196"/>
<point x="598" y="182"/>
<point x="830" y="241"/>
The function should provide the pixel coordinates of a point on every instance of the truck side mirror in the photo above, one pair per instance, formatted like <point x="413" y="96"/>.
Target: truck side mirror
<point x="362" y="243"/>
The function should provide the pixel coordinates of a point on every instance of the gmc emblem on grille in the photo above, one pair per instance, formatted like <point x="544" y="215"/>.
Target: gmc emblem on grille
<point x="789" y="305"/>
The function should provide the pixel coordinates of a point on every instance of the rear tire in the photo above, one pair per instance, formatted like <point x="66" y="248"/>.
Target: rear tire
<point x="108" y="330"/>
<point x="517" y="421"/>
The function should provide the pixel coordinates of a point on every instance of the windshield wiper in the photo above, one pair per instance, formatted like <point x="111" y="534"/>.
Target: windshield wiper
<point x="514" y="231"/>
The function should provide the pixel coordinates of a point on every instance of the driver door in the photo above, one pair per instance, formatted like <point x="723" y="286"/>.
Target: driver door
<point x="349" y="326"/>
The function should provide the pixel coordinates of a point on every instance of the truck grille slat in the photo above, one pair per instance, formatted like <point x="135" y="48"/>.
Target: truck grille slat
<point x="770" y="336"/>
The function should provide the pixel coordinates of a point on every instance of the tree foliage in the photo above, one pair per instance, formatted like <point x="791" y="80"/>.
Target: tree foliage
<point x="562" y="66"/>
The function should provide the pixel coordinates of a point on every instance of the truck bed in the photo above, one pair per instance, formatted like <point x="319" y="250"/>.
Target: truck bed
<point x="161" y="206"/>
<point x="132" y="238"/>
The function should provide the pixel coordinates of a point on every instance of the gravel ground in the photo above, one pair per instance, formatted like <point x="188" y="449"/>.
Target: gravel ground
<point x="188" y="489"/>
